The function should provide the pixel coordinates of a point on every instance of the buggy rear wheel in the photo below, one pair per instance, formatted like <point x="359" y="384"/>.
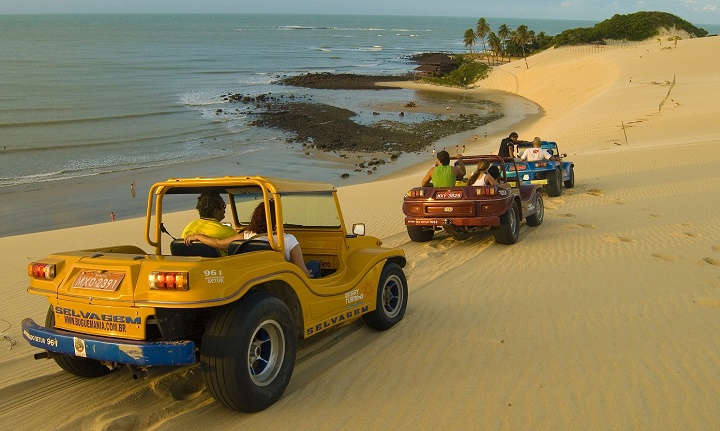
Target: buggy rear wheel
<point x="554" y="185"/>
<point x="570" y="183"/>
<point x="420" y="233"/>
<point x="509" y="230"/>
<point x="247" y="353"/>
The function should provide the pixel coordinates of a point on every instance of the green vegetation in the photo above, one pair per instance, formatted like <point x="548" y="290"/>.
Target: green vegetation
<point x="467" y="72"/>
<point x="522" y="41"/>
<point x="635" y="27"/>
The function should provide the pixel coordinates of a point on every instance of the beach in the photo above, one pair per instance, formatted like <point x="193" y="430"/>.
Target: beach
<point x="607" y="316"/>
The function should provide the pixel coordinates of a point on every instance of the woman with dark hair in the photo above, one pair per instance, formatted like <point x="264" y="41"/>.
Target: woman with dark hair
<point x="258" y="225"/>
<point x="481" y="177"/>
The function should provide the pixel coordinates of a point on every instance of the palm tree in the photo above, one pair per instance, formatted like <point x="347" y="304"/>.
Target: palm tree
<point x="469" y="39"/>
<point x="481" y="30"/>
<point x="503" y="34"/>
<point x="495" y="44"/>
<point x="522" y="37"/>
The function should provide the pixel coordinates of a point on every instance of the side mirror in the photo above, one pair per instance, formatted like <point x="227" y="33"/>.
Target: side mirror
<point x="358" y="229"/>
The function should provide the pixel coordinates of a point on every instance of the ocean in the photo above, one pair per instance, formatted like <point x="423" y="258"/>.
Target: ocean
<point x="90" y="102"/>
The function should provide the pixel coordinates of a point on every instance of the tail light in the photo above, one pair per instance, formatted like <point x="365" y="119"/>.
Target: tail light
<point x="485" y="191"/>
<point x="540" y="164"/>
<point x="416" y="193"/>
<point x="41" y="270"/>
<point x="169" y="280"/>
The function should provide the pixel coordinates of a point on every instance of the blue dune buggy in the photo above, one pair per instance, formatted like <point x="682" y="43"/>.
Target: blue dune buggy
<point x="552" y="174"/>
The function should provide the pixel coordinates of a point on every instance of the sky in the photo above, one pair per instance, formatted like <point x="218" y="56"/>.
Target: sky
<point x="695" y="11"/>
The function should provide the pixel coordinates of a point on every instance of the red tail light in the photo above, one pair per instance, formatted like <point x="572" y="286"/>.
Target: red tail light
<point x="169" y="280"/>
<point x="41" y="270"/>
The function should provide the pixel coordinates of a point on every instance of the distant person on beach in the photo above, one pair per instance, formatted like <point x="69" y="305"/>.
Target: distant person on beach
<point x="536" y="153"/>
<point x="481" y="176"/>
<point x="507" y="145"/>
<point x="112" y="216"/>
<point x="258" y="225"/>
<point x="442" y="174"/>
<point x="211" y="207"/>
<point x="132" y="189"/>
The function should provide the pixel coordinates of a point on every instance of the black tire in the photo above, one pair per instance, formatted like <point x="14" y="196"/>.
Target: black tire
<point x="391" y="299"/>
<point x="554" y="185"/>
<point x="537" y="218"/>
<point x="570" y="183"/>
<point x="509" y="229"/>
<point x="420" y="233"/>
<point x="248" y="352"/>
<point x="81" y="367"/>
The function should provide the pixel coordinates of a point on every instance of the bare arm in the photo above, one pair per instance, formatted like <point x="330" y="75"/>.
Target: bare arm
<point x="296" y="257"/>
<point x="428" y="177"/>
<point x="211" y="241"/>
<point x="459" y="170"/>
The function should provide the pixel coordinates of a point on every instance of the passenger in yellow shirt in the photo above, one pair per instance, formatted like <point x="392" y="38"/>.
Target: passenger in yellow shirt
<point x="212" y="211"/>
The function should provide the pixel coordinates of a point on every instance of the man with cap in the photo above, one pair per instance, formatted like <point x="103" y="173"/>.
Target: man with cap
<point x="507" y="145"/>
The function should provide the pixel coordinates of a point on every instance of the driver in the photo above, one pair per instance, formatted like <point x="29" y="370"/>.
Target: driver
<point x="211" y="208"/>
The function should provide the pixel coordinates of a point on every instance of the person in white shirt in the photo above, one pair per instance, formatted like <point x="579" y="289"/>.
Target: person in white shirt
<point x="481" y="177"/>
<point x="536" y="153"/>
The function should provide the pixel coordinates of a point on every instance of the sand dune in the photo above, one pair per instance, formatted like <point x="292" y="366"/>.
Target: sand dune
<point x="604" y="317"/>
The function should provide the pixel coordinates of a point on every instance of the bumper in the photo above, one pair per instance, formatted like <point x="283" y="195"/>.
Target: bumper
<point x="109" y="349"/>
<point x="473" y="221"/>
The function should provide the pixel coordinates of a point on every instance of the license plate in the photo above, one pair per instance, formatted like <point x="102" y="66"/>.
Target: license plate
<point x="108" y="281"/>
<point x="448" y="195"/>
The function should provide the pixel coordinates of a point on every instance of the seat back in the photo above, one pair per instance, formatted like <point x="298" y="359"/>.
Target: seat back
<point x="196" y="248"/>
<point x="252" y="245"/>
<point x="234" y="245"/>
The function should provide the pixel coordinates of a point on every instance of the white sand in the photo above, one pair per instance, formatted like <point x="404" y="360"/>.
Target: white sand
<point x="605" y="317"/>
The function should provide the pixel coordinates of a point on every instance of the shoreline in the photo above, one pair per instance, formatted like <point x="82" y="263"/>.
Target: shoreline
<point x="91" y="200"/>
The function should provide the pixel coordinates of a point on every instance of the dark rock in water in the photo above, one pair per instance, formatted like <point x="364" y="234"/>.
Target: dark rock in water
<point x="345" y="175"/>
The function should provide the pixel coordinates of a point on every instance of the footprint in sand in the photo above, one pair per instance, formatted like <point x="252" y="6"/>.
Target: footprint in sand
<point x="714" y="303"/>
<point x="436" y="254"/>
<point x="712" y="261"/>
<point x="587" y="226"/>
<point x="654" y="215"/>
<point x="716" y="247"/>
<point x="666" y="257"/>
<point x="130" y="422"/>
<point x="618" y="239"/>
<point x="596" y="192"/>
<point x="179" y="385"/>
<point x="567" y="215"/>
